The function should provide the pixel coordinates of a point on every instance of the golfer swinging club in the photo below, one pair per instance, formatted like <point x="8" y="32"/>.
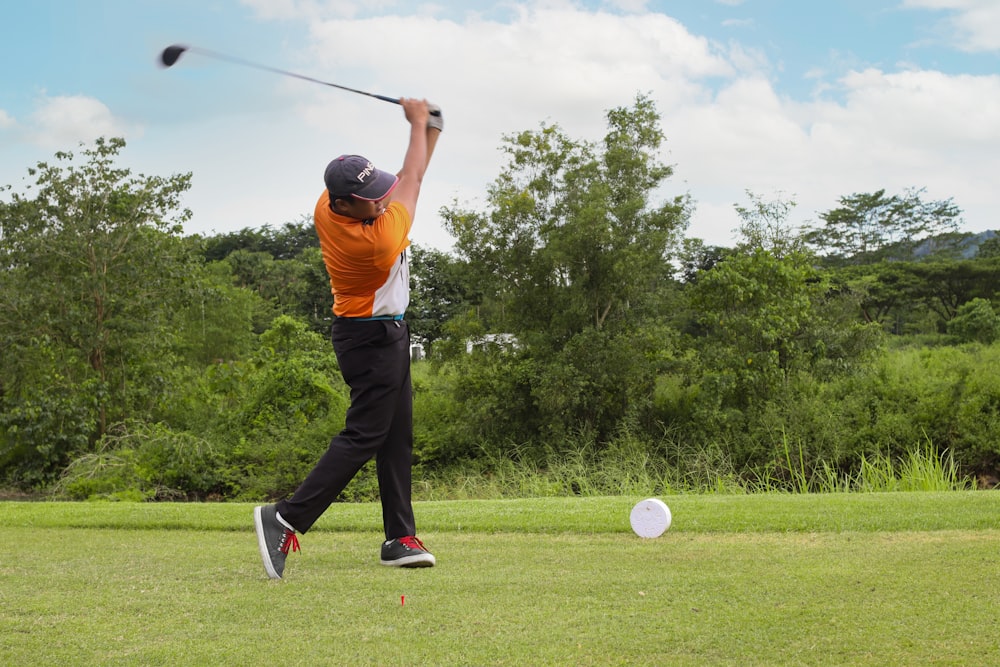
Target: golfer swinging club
<point x="363" y="221"/>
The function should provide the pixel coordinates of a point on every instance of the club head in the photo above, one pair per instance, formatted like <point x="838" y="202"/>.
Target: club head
<point x="171" y="54"/>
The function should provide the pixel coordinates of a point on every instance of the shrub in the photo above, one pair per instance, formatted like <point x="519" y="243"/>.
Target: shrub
<point x="975" y="321"/>
<point x="146" y="462"/>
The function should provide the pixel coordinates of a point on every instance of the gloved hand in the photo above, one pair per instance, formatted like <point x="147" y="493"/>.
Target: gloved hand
<point x="436" y="119"/>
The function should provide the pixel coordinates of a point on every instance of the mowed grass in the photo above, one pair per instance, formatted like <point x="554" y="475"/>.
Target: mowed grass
<point x="834" y="579"/>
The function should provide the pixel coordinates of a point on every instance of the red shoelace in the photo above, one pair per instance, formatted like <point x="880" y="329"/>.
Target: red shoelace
<point x="412" y="542"/>
<point x="288" y="540"/>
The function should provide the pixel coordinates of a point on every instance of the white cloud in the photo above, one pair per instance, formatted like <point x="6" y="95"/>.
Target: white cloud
<point x="495" y="78"/>
<point x="941" y="111"/>
<point x="893" y="131"/>
<point x="316" y="9"/>
<point x="61" y="121"/>
<point x="6" y="120"/>
<point x="632" y="6"/>
<point x="916" y="129"/>
<point x="974" y="24"/>
<point x="727" y="127"/>
<point x="282" y="10"/>
<point x="527" y="68"/>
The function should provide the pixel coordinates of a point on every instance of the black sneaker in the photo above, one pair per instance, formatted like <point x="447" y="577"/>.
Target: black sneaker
<point x="274" y="539"/>
<point x="406" y="552"/>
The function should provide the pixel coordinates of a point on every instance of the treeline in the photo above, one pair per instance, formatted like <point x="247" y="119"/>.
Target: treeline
<point x="573" y="322"/>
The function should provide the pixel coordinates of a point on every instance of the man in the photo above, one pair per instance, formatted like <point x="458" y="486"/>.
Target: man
<point x="363" y="220"/>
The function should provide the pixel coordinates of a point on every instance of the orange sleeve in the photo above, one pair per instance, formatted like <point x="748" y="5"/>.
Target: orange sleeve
<point x="390" y="235"/>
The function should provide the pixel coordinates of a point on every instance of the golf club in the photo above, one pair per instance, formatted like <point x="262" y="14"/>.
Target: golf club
<point x="172" y="54"/>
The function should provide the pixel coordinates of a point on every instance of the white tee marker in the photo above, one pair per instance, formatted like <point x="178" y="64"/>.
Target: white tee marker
<point x="650" y="518"/>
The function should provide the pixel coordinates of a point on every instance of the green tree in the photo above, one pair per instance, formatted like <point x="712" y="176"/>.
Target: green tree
<point x="572" y="256"/>
<point x="976" y="321"/>
<point x="285" y="242"/>
<point x="884" y="291"/>
<point x="772" y="330"/>
<point x="695" y="258"/>
<point x="944" y="286"/>
<point x="287" y="284"/>
<point x="440" y="291"/>
<point x="918" y="297"/>
<point x="283" y="265"/>
<point x="872" y="226"/>
<point x="764" y="226"/>
<point x="990" y="248"/>
<point x="571" y="239"/>
<point x="94" y="270"/>
<point x="767" y="311"/>
<point x="216" y="321"/>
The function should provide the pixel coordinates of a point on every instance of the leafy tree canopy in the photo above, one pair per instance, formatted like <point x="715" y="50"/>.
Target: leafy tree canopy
<point x="94" y="272"/>
<point x="873" y="226"/>
<point x="572" y="238"/>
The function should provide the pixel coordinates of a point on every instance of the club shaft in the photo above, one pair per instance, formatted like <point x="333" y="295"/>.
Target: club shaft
<point x="275" y="70"/>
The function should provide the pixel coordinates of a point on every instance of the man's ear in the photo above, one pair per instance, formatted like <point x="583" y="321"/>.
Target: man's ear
<point x="337" y="206"/>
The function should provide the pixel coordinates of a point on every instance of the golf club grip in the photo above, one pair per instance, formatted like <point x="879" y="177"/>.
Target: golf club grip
<point x="386" y="98"/>
<point x="396" y="101"/>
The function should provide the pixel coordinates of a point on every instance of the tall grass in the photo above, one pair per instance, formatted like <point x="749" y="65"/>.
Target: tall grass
<point x="631" y="467"/>
<point x="918" y="470"/>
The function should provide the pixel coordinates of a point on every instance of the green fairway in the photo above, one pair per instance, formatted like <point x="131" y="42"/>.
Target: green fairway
<point x="875" y="579"/>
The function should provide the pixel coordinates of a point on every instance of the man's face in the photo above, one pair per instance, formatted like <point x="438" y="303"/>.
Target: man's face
<point x="360" y="209"/>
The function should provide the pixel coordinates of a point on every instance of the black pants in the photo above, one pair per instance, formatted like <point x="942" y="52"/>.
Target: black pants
<point x="374" y="358"/>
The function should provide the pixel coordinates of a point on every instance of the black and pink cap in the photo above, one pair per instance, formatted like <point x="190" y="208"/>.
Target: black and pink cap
<point x="355" y="176"/>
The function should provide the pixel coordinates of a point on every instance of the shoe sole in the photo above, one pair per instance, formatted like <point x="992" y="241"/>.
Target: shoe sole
<point x="265" y="553"/>
<point x="420" y="560"/>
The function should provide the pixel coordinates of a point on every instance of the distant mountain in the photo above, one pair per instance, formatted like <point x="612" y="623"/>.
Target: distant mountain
<point x="965" y="245"/>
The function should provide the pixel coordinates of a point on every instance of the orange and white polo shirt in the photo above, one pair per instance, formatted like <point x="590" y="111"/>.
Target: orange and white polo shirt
<point x="366" y="262"/>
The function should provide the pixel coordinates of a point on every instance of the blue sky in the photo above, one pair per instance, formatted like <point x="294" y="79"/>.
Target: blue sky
<point x="808" y="101"/>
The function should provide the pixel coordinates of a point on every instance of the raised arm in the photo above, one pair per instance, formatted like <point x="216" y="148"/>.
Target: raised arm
<point x="423" y="139"/>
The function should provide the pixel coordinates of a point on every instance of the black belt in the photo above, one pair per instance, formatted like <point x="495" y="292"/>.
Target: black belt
<point x="389" y="318"/>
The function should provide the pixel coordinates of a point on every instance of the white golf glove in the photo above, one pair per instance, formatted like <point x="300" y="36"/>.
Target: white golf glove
<point x="436" y="119"/>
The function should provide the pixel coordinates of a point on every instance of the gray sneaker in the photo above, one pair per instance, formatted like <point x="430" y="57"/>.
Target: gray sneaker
<point x="406" y="552"/>
<point x="274" y="539"/>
